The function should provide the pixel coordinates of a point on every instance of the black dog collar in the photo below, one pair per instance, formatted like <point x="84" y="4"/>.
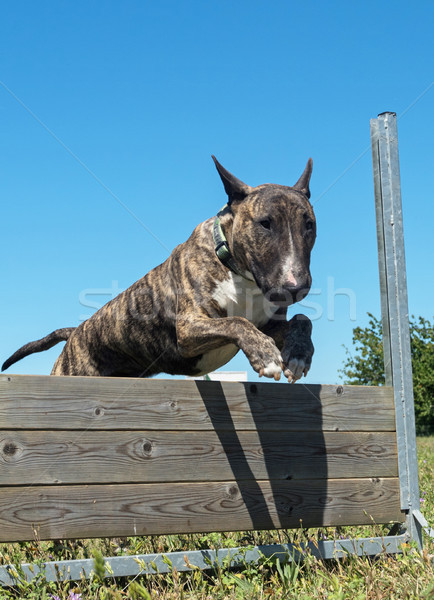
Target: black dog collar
<point x="221" y="246"/>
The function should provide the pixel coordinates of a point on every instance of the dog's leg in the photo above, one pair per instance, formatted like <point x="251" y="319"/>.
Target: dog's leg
<point x="199" y="335"/>
<point x="293" y="338"/>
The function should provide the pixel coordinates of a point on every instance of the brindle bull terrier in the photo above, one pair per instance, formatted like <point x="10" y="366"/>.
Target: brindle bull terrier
<point x="226" y="288"/>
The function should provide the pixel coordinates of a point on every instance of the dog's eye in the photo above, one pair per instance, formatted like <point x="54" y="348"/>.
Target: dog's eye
<point x="265" y="223"/>
<point x="309" y="225"/>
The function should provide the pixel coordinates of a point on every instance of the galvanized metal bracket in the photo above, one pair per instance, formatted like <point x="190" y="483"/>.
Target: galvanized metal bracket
<point x="394" y="307"/>
<point x="151" y="564"/>
<point x="429" y="531"/>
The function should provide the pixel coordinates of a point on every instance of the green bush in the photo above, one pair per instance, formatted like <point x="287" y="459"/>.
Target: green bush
<point x="366" y="367"/>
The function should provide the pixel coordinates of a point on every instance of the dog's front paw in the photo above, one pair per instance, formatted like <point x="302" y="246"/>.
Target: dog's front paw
<point x="298" y="351"/>
<point x="272" y="369"/>
<point x="265" y="358"/>
<point x="295" y="368"/>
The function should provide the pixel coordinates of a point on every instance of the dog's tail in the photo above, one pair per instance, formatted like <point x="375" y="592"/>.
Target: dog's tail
<point x="45" y="343"/>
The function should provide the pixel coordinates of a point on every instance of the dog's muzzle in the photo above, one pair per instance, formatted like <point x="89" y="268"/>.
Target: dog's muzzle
<point x="288" y="295"/>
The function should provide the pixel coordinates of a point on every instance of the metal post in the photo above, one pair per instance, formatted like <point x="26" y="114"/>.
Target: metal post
<point x="394" y="308"/>
<point x="381" y="253"/>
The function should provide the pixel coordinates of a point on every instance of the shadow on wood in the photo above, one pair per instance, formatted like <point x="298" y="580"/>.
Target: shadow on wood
<point x="276" y="499"/>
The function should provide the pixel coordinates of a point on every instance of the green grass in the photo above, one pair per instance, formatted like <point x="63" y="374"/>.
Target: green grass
<point x="409" y="575"/>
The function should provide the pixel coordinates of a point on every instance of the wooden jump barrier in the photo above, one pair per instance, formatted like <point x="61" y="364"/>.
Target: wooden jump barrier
<point x="138" y="457"/>
<point x="101" y="457"/>
<point x="83" y="457"/>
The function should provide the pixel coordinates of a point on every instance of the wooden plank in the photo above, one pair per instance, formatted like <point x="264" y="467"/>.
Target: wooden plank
<point x="67" y="403"/>
<point x="56" y="457"/>
<point x="97" y="511"/>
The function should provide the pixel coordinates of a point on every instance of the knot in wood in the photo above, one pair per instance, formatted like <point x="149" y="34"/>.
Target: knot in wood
<point x="339" y="390"/>
<point x="9" y="449"/>
<point x="99" y="411"/>
<point x="324" y="500"/>
<point x="147" y="447"/>
<point x="232" y="491"/>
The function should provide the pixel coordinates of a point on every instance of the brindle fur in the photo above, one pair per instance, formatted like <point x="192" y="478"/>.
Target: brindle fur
<point x="177" y="319"/>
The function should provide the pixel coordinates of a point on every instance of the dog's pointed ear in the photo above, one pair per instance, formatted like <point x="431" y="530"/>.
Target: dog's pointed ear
<point x="235" y="188"/>
<point x="302" y="184"/>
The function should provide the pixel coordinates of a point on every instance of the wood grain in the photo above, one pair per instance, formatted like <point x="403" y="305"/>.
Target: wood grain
<point x="96" y="511"/>
<point x="56" y="457"/>
<point x="98" y="457"/>
<point x="69" y="403"/>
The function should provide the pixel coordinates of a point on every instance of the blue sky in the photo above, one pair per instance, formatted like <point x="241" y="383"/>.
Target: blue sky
<point x="109" y="114"/>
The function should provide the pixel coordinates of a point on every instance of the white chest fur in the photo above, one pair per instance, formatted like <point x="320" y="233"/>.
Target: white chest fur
<point x="240" y="297"/>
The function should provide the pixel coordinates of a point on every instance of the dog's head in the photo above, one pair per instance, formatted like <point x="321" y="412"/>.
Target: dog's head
<point x="271" y="231"/>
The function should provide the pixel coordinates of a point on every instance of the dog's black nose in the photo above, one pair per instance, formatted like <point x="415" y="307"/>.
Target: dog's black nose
<point x="288" y="295"/>
<point x="299" y="292"/>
